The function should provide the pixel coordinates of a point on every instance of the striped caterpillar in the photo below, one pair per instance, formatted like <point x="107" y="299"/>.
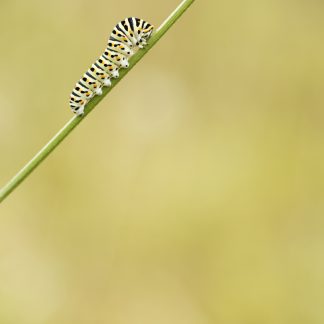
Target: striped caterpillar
<point x="127" y="36"/>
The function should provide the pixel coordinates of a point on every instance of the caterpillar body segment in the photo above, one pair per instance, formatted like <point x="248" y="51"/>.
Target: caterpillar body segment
<point x="119" y="47"/>
<point x="107" y="66"/>
<point x="119" y="35"/>
<point x="89" y="81"/>
<point x="82" y="91"/>
<point x="119" y="59"/>
<point x="101" y="75"/>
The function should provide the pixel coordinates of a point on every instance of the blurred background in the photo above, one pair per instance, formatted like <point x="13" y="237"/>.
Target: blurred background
<point x="192" y="194"/>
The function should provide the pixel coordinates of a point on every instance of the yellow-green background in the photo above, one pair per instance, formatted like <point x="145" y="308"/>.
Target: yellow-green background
<point x="193" y="194"/>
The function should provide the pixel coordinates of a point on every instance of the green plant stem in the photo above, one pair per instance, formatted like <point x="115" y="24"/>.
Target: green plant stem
<point x="67" y="129"/>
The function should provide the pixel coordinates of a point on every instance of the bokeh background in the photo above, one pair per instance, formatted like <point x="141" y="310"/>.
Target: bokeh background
<point x="192" y="194"/>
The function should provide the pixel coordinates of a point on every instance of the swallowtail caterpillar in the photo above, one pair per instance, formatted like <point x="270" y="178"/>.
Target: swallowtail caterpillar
<point x="127" y="36"/>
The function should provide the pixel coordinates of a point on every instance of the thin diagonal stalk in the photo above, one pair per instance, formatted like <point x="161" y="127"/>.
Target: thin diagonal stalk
<point x="67" y="129"/>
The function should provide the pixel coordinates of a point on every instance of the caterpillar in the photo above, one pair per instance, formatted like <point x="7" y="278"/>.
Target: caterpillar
<point x="125" y="39"/>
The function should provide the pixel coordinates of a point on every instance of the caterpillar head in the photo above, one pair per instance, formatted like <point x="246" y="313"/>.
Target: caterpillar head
<point x="147" y="32"/>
